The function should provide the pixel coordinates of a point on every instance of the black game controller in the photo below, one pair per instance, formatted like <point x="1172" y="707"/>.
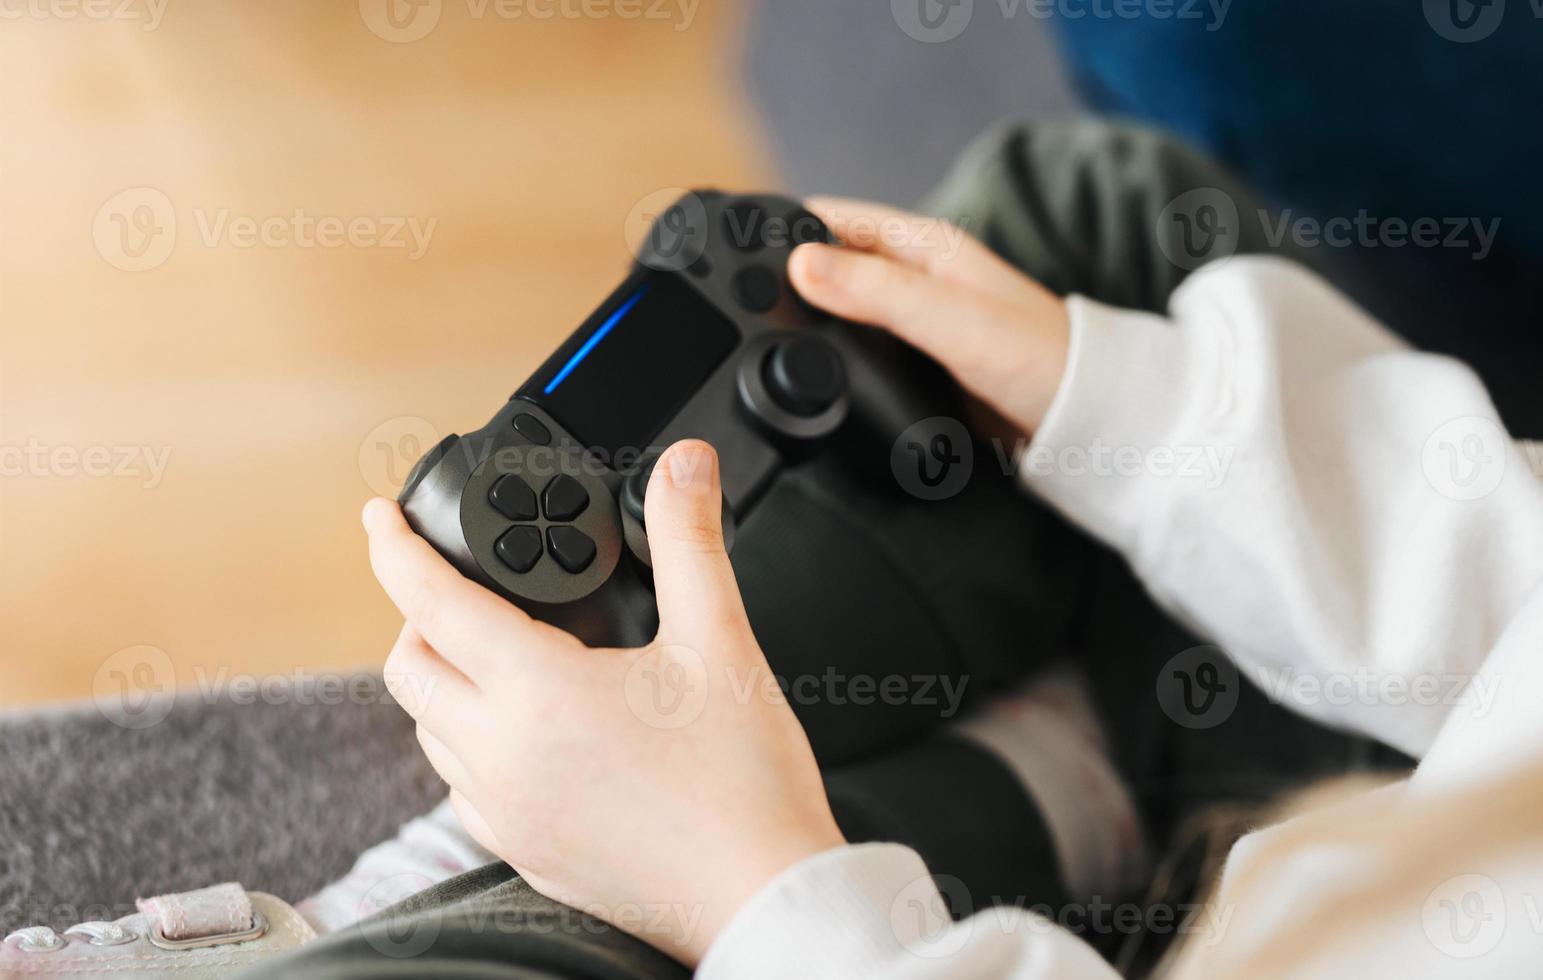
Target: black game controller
<point x="705" y="338"/>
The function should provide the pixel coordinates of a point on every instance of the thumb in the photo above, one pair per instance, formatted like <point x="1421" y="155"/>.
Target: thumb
<point x="699" y="601"/>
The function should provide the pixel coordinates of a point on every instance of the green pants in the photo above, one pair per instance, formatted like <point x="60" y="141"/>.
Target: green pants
<point x="842" y="576"/>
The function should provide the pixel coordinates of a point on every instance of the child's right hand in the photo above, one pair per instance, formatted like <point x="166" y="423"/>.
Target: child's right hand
<point x="1002" y="335"/>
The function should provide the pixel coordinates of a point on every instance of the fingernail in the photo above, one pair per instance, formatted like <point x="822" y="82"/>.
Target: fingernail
<point x="819" y="262"/>
<point x="691" y="465"/>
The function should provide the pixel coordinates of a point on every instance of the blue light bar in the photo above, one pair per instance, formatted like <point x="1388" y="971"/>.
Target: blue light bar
<point x="595" y="338"/>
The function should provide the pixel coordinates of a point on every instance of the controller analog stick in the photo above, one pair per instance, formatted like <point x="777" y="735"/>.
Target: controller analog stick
<point x="635" y="489"/>
<point x="804" y="374"/>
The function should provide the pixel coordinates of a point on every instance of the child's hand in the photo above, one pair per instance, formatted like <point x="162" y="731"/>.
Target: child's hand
<point x="1002" y="335"/>
<point x="656" y="788"/>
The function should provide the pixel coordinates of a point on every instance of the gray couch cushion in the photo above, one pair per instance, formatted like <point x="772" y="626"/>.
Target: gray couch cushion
<point x="280" y="794"/>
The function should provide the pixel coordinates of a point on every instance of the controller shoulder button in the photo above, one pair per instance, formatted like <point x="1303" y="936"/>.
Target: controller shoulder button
<point x="756" y="288"/>
<point x="520" y="548"/>
<point x="532" y="428"/>
<point x="571" y="548"/>
<point x="564" y="498"/>
<point x="513" y="498"/>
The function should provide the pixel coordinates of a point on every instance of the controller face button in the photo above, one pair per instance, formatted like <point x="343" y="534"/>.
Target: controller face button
<point x="520" y="548"/>
<point x="757" y="288"/>
<point x="744" y="224"/>
<point x="804" y="374"/>
<point x="513" y="498"/>
<point x="570" y="547"/>
<point x="804" y="228"/>
<point x="531" y="428"/>
<point x="564" y="498"/>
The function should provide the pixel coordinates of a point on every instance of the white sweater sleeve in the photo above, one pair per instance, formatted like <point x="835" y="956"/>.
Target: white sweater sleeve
<point x="872" y="910"/>
<point x="1343" y="515"/>
<point x="1298" y="485"/>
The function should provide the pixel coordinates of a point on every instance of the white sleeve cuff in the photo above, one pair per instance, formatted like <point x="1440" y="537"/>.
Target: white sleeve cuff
<point x="841" y="913"/>
<point x="1134" y="384"/>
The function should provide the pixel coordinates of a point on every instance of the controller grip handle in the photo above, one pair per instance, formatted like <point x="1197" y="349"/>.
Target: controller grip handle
<point x="893" y="385"/>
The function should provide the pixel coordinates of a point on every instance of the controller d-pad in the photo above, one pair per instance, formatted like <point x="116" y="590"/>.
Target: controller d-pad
<point x="520" y="548"/>
<point x="513" y="498"/>
<point x="564" y="498"/>
<point x="570" y="547"/>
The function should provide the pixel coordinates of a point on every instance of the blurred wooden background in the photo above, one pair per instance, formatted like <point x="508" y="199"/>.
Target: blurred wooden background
<point x="283" y="383"/>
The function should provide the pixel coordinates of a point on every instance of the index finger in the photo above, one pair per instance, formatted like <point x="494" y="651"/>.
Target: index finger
<point x="933" y="245"/>
<point x="465" y="623"/>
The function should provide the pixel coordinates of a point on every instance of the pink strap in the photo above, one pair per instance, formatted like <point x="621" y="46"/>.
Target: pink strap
<point x="214" y="911"/>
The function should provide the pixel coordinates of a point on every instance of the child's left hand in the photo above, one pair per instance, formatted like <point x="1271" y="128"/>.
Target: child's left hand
<point x="656" y="788"/>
